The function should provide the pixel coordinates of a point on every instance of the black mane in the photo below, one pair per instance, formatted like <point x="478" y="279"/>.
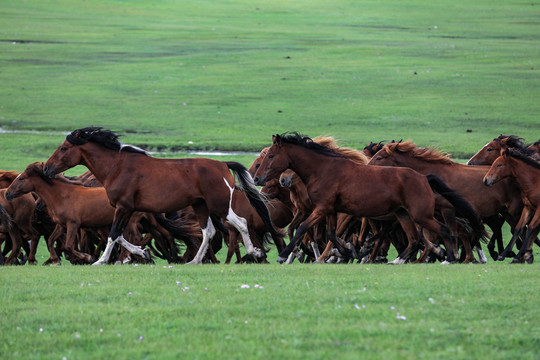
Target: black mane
<point x="98" y="135"/>
<point x="296" y="139"/>
<point x="512" y="141"/>
<point x="523" y="156"/>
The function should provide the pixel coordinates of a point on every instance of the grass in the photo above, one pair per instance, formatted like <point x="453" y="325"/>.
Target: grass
<point x="179" y="75"/>
<point x="297" y="311"/>
<point x="228" y="75"/>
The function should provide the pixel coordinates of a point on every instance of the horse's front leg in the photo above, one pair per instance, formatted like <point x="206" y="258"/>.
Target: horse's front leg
<point x="530" y="235"/>
<point x="518" y="230"/>
<point x="121" y="218"/>
<point x="316" y="216"/>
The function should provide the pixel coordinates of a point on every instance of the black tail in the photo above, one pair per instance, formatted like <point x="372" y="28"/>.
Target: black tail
<point x="179" y="228"/>
<point x="462" y="206"/>
<point x="256" y="199"/>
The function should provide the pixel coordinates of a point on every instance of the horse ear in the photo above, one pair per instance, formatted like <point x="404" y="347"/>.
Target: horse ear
<point x="276" y="139"/>
<point x="506" y="152"/>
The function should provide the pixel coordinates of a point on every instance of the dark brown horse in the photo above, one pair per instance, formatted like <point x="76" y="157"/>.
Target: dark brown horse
<point x="20" y="214"/>
<point x="526" y="172"/>
<point x="135" y="181"/>
<point x="466" y="180"/>
<point x="372" y="148"/>
<point x="336" y="184"/>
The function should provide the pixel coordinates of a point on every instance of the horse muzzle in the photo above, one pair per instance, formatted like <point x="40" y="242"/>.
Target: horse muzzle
<point x="488" y="181"/>
<point x="9" y="195"/>
<point x="259" y="181"/>
<point x="49" y="171"/>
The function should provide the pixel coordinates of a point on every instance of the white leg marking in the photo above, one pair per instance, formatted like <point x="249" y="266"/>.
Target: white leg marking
<point x="208" y="232"/>
<point x="134" y="249"/>
<point x="291" y="258"/>
<point x="107" y="253"/>
<point x="397" y="261"/>
<point x="315" y="250"/>
<point x="481" y="256"/>
<point x="241" y="225"/>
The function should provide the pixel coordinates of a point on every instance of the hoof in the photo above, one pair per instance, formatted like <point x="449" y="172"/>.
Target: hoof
<point x="146" y="254"/>
<point x="281" y="260"/>
<point x="445" y="262"/>
<point x="494" y="255"/>
<point x="500" y="258"/>
<point x="515" y="261"/>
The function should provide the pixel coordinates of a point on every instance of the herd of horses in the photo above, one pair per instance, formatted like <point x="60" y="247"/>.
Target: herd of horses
<point x="336" y="204"/>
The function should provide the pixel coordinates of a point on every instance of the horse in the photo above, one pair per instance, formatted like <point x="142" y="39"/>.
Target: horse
<point x="333" y="186"/>
<point x="492" y="150"/>
<point x="526" y="172"/>
<point x="135" y="181"/>
<point x="466" y="180"/>
<point x="372" y="148"/>
<point x="18" y="223"/>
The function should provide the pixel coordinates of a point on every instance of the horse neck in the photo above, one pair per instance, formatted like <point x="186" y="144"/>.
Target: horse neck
<point x="521" y="172"/>
<point x="49" y="193"/>
<point x="305" y="163"/>
<point x="421" y="165"/>
<point x="100" y="161"/>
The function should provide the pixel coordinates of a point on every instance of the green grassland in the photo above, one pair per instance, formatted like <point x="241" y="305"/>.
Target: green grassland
<point x="226" y="75"/>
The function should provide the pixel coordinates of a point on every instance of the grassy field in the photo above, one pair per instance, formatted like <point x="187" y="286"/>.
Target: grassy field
<point x="226" y="75"/>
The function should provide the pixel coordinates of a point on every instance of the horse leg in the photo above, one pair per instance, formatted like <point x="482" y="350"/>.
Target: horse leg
<point x="412" y="236"/>
<point x="121" y="218"/>
<point x="56" y="234"/>
<point x="208" y="230"/>
<point x="16" y="241"/>
<point x="530" y="235"/>
<point x="524" y="219"/>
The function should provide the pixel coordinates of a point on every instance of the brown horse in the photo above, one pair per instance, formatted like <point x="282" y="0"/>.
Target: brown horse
<point x="466" y="180"/>
<point x="372" y="148"/>
<point x="329" y="180"/>
<point x="135" y="181"/>
<point x="526" y="172"/>
<point x="18" y="223"/>
<point x="70" y="206"/>
<point x="492" y="150"/>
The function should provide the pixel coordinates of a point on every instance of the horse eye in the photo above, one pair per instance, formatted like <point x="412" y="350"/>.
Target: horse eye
<point x="499" y="165"/>
<point x="378" y="158"/>
<point x="270" y="156"/>
<point x="62" y="149"/>
<point x="489" y="149"/>
<point x="257" y="166"/>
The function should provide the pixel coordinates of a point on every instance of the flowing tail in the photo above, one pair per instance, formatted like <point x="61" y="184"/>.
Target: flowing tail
<point x="256" y="199"/>
<point x="462" y="206"/>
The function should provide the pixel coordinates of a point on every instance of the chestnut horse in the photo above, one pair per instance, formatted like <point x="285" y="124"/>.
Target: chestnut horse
<point x="336" y="184"/>
<point x="526" y="172"/>
<point x="70" y="206"/>
<point x="466" y="180"/>
<point x="18" y="221"/>
<point x="135" y="181"/>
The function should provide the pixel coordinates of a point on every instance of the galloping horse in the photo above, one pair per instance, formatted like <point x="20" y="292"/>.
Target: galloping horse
<point x="466" y="180"/>
<point x="135" y="181"/>
<point x="526" y="171"/>
<point x="492" y="150"/>
<point x="17" y="220"/>
<point x="336" y="184"/>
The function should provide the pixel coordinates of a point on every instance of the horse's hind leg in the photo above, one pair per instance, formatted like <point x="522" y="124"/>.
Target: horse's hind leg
<point x="241" y="225"/>
<point x="412" y="236"/>
<point x="208" y="231"/>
